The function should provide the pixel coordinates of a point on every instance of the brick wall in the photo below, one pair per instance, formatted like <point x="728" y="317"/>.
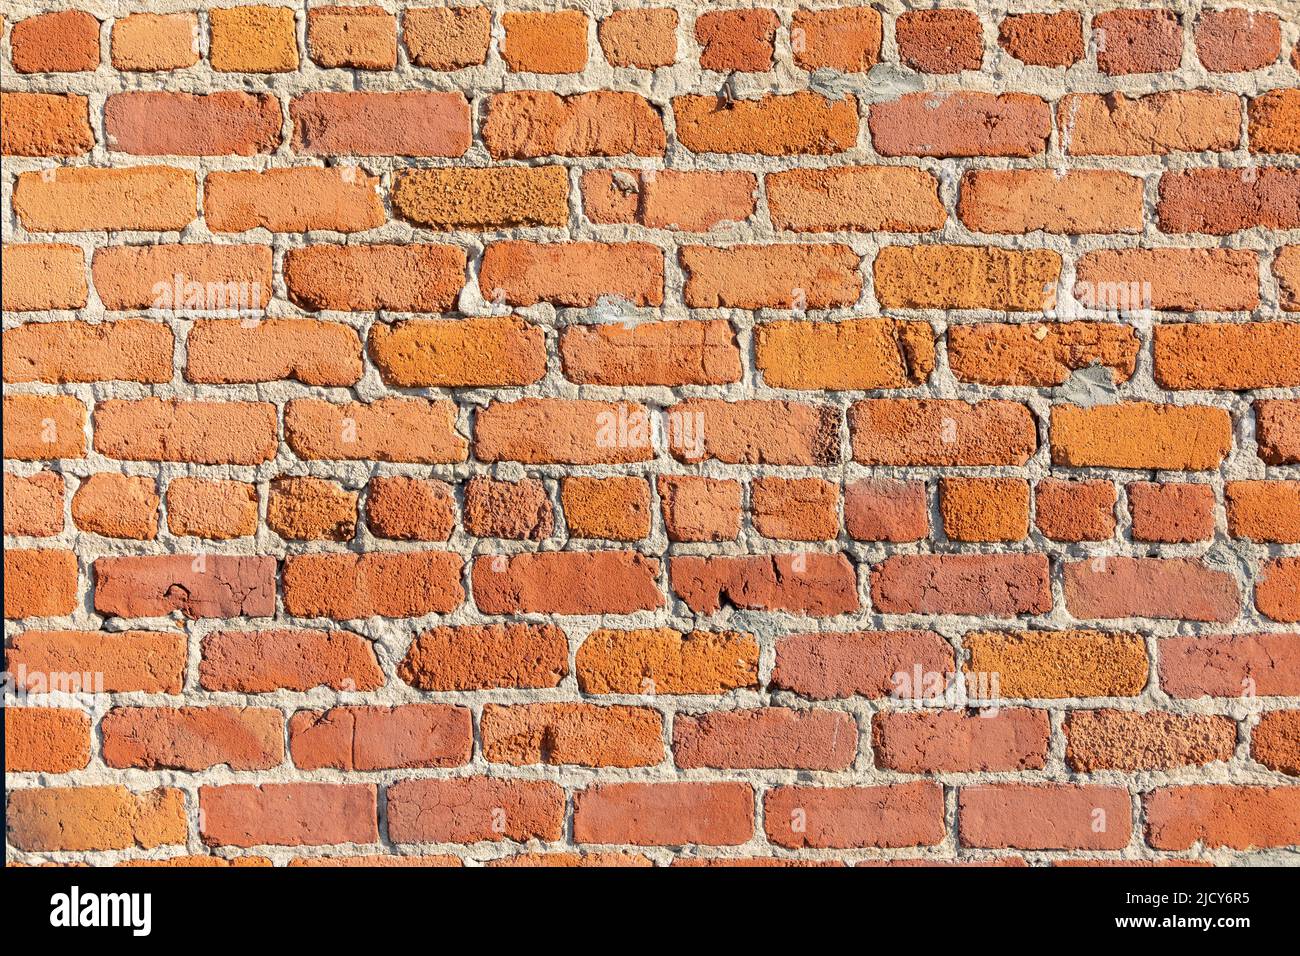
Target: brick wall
<point x="576" y="432"/>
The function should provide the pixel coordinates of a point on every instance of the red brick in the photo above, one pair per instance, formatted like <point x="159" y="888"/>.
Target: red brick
<point x="311" y="509"/>
<point x="668" y="199"/>
<point x="508" y="509"/>
<point x="817" y="585"/>
<point x="1275" y="741"/>
<point x="198" y="586"/>
<point x="236" y="351"/>
<point x="211" y="509"/>
<point x="526" y="124"/>
<point x="183" y="124"/>
<point x="1059" y="664"/>
<point x="39" y="583"/>
<point x="1075" y="510"/>
<point x="1138" y="41"/>
<point x="1277" y="429"/>
<point x="483" y="656"/>
<point x="1177" y="588"/>
<point x="43" y="427"/>
<point x="572" y="274"/>
<point x="1028" y="200"/>
<point x="940" y="41"/>
<point x="795" y="509"/>
<point x="617" y="508"/>
<point x="302" y="199"/>
<point x="1228" y="355"/>
<point x="966" y="277"/>
<point x="149" y="42"/>
<point x="410" y="509"/>
<point x="288" y="814"/>
<point x="259" y="662"/>
<point x="567" y="582"/>
<point x="1266" y="511"/>
<point x="984" y="509"/>
<point x="587" y="735"/>
<point x="474" y="809"/>
<point x="376" y="584"/>
<point x="753" y="432"/>
<point x="193" y="738"/>
<point x="991" y="585"/>
<point x="117" y="506"/>
<point x="363" y="38"/>
<point x="771" y="277"/>
<point x="1224" y="201"/>
<point x="676" y="352"/>
<point x="1051" y="816"/>
<point x="412" y="123"/>
<point x="184" y="279"/>
<point x="766" y="738"/>
<point x="466" y="352"/>
<point x="860" y="198"/>
<point x="961" y="124"/>
<point x="1230" y="665"/>
<point x="1277" y="589"/>
<point x="897" y="815"/>
<point x="45" y="124"/>
<point x="656" y="814"/>
<point x="1273" y="127"/>
<point x="390" y="429"/>
<point x="1239" y="818"/>
<point x="253" y="39"/>
<point x="1127" y="740"/>
<point x="1177" y="280"/>
<point x="961" y="741"/>
<point x="1043" y="39"/>
<point x="1230" y="41"/>
<point x="739" y="40"/>
<point x="886" y="509"/>
<point x="1177" y="513"/>
<point x="776" y="124"/>
<point x="906" y="431"/>
<point x="381" y="738"/>
<point x="64" y="42"/>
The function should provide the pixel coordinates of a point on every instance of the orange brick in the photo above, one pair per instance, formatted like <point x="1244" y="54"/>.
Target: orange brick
<point x="1075" y="510"/>
<point x="207" y="433"/>
<point x="1273" y="126"/>
<point x="1241" y="818"/>
<point x="1039" y="354"/>
<point x="885" y="509"/>
<point x="776" y="124"/>
<point x="375" y="584"/>
<point x="699" y="509"/>
<point x="231" y="351"/>
<point x="1286" y="268"/>
<point x="1141" y="435"/>
<point x="846" y="39"/>
<point x="472" y="809"/>
<point x="39" y="583"/>
<point x="182" y="124"/>
<point x="508" y="509"/>
<point x="311" y="509"/>
<point x="576" y="274"/>
<point x="65" y="42"/>
<point x="561" y="431"/>
<point x="302" y="199"/>
<point x="754" y="432"/>
<point x="1177" y="280"/>
<point x="258" y="662"/>
<point x="183" y="278"/>
<point x="665" y="661"/>
<point x="361" y="38"/>
<point x="668" y="199"/>
<point x="193" y="738"/>
<point x="1029" y="200"/>
<point x="44" y="427"/>
<point x="1060" y="664"/>
<point x="984" y="509"/>
<point x="211" y="508"/>
<point x="906" y="431"/>
<point x="368" y="278"/>
<point x="588" y="735"/>
<point x="410" y="509"/>
<point x="390" y="429"/>
<point x="645" y="39"/>
<point x="43" y="276"/>
<point x="1264" y="510"/>
<point x="966" y="277"/>
<point x="854" y="354"/>
<point x="165" y="584"/>
<point x="1125" y="740"/>
<point x="860" y="198"/>
<point x="677" y="352"/>
<point x="411" y="123"/>
<point x="1228" y="355"/>
<point x="481" y="656"/>
<point x="148" y="42"/>
<point x="33" y="505"/>
<point x="447" y="38"/>
<point x="1275" y="741"/>
<point x="1043" y="39"/>
<point x="253" y="40"/>
<point x="1138" y="41"/>
<point x="1277" y="590"/>
<point x="45" y="124"/>
<point x="615" y="508"/>
<point x="740" y="40"/>
<point x="545" y="42"/>
<point x="379" y="738"/>
<point x="99" y="662"/>
<point x="289" y="814"/>
<point x="795" y="509"/>
<point x="117" y="506"/>
<point x="1113" y="124"/>
<point x="61" y="352"/>
<point x="961" y="124"/>
<point x="940" y="41"/>
<point x="46" y="739"/>
<point x="567" y="582"/>
<point x="496" y="198"/>
<point x="463" y="352"/>
<point x="86" y="199"/>
<point x="1277" y="429"/>
<point x="526" y="124"/>
<point x="95" y="818"/>
<point x="771" y="277"/>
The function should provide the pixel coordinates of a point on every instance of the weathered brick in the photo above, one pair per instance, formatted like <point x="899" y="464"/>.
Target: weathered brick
<point x="1043" y="39"/>
<point x="552" y="430"/>
<point x="817" y="585"/>
<point x="1274" y="741"/>
<point x="259" y="662"/>
<point x="1230" y="41"/>
<point x="39" y="583"/>
<point x="1175" y="513"/>
<point x="43" y="427"/>
<point x="1053" y="816"/>
<point x="495" y="198"/>
<point x="665" y="661"/>
<point x="381" y="738"/>
<point x="183" y="124"/>
<point x="148" y="42"/>
<point x="693" y="201"/>
<point x="984" y="509"/>
<point x="311" y="509"/>
<point x="1266" y="511"/>
<point x="1113" y="124"/>
<point x="302" y="199"/>
<point x="567" y="582"/>
<point x="1075" y="510"/>
<point x="1277" y="429"/>
<point x="644" y="39"/>
<point x="545" y="42"/>
<point x="846" y="39"/>
<point x="795" y="509"/>
<point x="754" y="432"/>
<point x="196" y="586"/>
<point x="860" y="198"/>
<point x="1227" y="355"/>
<point x="1177" y="280"/>
<point x="651" y="814"/>
<point x="1127" y="740"/>
<point x="966" y="277"/>
<point x="960" y="741"/>
<point x="98" y="661"/>
<point x="43" y="276"/>
<point x="992" y="585"/>
<point x="207" y="433"/>
<point x="375" y="584"/>
<point x="117" y="506"/>
<point x="362" y="38"/>
<point x="63" y="352"/>
<point x="47" y="739"/>
<point x="616" y="508"/>
<point x="699" y="509"/>
<point x="288" y="814"/>
<point x="771" y="277"/>
<point x="390" y="429"/>
<point x="33" y="505"/>
<point x="396" y="278"/>
<point x="1039" y="354"/>
<point x="940" y="41"/>
<point x="587" y="735"/>
<point x="1240" y="818"/>
<point x="180" y="279"/>
<point x="886" y="509"/>
<point x="1277" y="589"/>
<point x="1029" y="200"/>
<point x="95" y="818"/>
<point x="89" y="199"/>
<point x="63" y="42"/>
<point x="526" y="124"/>
<point x="776" y="124"/>
<point x="1141" y="435"/>
<point x="677" y="352"/>
<point x="1233" y="665"/>
<point x="1273" y="127"/>
<point x="45" y="124"/>
<point x="740" y="40"/>
<point x="1179" y="588"/>
<point x="193" y="738"/>
<point x="472" y="809"/>
<point x="483" y="656"/>
<point x="447" y="38"/>
<point x="410" y="509"/>
<point x="766" y="737"/>
<point x="253" y="39"/>
<point x="1059" y="664"/>
<point x="508" y="509"/>
<point x="961" y="124"/>
<point x="1138" y="41"/>
<point x="1224" y="201"/>
<point x="211" y="508"/>
<point x="907" y="431"/>
<point x="314" y="353"/>
<point x="411" y="123"/>
<point x="896" y="815"/>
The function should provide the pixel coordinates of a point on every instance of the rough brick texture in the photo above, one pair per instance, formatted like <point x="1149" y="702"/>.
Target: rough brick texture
<point x="600" y="433"/>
